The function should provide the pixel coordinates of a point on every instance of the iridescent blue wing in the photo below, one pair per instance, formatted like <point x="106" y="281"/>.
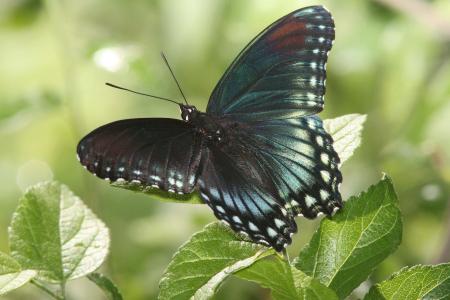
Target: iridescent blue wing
<point x="148" y="153"/>
<point x="281" y="73"/>
<point x="304" y="166"/>
<point x="242" y="194"/>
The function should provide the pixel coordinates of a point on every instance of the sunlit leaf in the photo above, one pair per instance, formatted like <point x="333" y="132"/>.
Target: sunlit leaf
<point x="346" y="249"/>
<point x="205" y="261"/>
<point x="53" y="232"/>
<point x="285" y="281"/>
<point x="418" y="282"/>
<point x="346" y="132"/>
<point x="106" y="285"/>
<point x="11" y="274"/>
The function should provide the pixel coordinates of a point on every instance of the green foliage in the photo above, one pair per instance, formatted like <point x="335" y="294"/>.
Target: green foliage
<point x="53" y="232"/>
<point x="342" y="253"/>
<point x="54" y="238"/>
<point x="418" y="282"/>
<point x="346" y="132"/>
<point x="11" y="274"/>
<point x="285" y="280"/>
<point x="206" y="260"/>
<point x="346" y="249"/>
<point x="106" y="285"/>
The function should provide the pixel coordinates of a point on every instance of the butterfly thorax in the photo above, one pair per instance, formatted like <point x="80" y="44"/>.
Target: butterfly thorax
<point x="205" y="124"/>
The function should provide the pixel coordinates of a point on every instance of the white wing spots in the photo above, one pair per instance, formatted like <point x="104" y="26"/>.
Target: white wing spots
<point x="325" y="176"/>
<point x="311" y="96"/>
<point x="225" y="222"/>
<point x="279" y="223"/>
<point x="121" y="169"/>
<point x="179" y="183"/>
<point x="294" y="203"/>
<point x="237" y="219"/>
<point x="316" y="51"/>
<point x="263" y="242"/>
<point x="171" y="190"/>
<point x="214" y="193"/>
<point x="155" y="186"/>
<point x="321" y="39"/>
<point x="155" y="178"/>
<point x="335" y="210"/>
<point x="313" y="81"/>
<point x="107" y="179"/>
<point x="284" y="212"/>
<point x="319" y="214"/>
<point x="108" y="169"/>
<point x="319" y="140"/>
<point x="313" y="65"/>
<point x="252" y="226"/>
<point x="271" y="232"/>
<point x="324" y="194"/>
<point x="120" y="180"/>
<point x="309" y="200"/>
<point x="135" y="181"/>
<point x="322" y="27"/>
<point x="137" y="172"/>
<point x="325" y="158"/>
<point x="220" y="209"/>
<point x="204" y="196"/>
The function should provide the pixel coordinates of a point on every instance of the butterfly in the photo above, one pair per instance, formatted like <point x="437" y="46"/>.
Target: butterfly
<point x="259" y="156"/>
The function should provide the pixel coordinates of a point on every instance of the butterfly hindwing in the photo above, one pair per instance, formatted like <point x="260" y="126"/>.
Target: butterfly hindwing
<point x="281" y="73"/>
<point x="158" y="153"/>
<point x="241" y="194"/>
<point x="304" y="165"/>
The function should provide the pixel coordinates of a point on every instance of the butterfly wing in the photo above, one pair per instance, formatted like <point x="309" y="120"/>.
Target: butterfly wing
<point x="159" y="153"/>
<point x="303" y="163"/>
<point x="281" y="73"/>
<point x="241" y="193"/>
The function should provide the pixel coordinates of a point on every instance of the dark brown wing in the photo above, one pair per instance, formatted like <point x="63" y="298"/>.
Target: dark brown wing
<point x="160" y="153"/>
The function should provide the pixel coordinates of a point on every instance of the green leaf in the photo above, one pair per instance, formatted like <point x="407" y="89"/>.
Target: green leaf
<point x="53" y="232"/>
<point x="346" y="133"/>
<point x="106" y="285"/>
<point x="11" y="274"/>
<point x="285" y="281"/>
<point x="346" y="249"/>
<point x="418" y="282"/>
<point x="206" y="260"/>
<point x="160" y="195"/>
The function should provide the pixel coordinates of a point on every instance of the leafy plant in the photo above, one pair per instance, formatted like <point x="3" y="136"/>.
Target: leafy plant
<point x="54" y="238"/>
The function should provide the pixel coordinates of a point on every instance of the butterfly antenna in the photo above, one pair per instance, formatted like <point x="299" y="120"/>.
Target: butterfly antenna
<point x="139" y="93"/>
<point x="173" y="75"/>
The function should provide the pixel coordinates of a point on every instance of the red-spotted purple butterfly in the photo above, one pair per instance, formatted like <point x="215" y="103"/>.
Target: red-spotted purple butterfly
<point x="259" y="155"/>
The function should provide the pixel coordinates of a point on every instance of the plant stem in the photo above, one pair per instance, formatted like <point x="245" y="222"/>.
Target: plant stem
<point x="63" y="290"/>
<point x="286" y="255"/>
<point x="46" y="289"/>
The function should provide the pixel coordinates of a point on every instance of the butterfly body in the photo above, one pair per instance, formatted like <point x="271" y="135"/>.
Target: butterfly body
<point x="259" y="155"/>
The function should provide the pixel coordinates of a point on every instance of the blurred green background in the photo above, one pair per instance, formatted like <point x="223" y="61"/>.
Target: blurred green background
<point x="391" y="60"/>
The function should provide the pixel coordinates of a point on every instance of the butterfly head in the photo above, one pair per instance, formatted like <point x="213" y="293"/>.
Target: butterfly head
<point x="188" y="112"/>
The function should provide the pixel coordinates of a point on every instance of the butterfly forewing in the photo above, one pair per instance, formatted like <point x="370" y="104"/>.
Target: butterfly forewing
<point x="159" y="153"/>
<point x="281" y="73"/>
